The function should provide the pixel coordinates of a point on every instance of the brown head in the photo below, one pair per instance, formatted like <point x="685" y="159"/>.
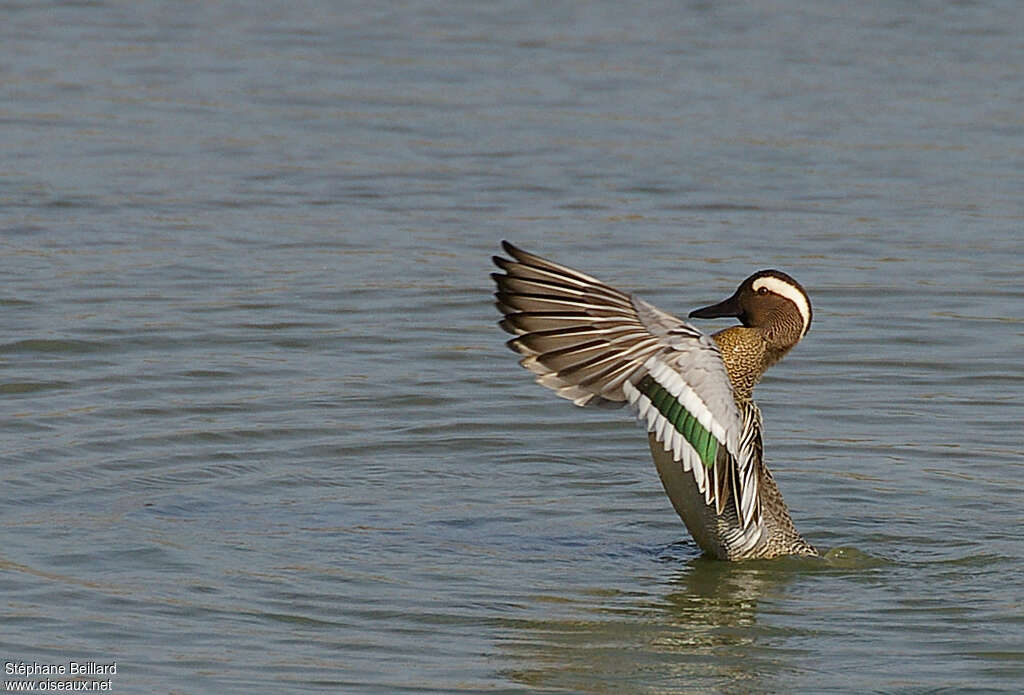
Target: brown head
<point x="771" y="301"/>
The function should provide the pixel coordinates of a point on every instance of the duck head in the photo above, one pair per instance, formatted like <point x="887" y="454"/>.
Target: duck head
<point x="769" y="300"/>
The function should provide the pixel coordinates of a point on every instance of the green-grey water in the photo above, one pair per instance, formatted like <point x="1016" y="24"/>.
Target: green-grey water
<point x="260" y="432"/>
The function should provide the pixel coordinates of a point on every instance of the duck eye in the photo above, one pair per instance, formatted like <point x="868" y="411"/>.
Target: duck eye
<point x="762" y="290"/>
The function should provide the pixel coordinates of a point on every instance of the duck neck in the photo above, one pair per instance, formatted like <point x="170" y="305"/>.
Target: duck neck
<point x="747" y="352"/>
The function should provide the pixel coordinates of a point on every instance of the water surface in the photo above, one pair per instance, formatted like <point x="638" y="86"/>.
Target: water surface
<point x="260" y="432"/>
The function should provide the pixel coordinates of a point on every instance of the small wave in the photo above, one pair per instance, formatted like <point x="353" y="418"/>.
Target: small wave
<point x="50" y="346"/>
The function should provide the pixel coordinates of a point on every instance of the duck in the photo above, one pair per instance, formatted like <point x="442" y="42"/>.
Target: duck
<point x="692" y="391"/>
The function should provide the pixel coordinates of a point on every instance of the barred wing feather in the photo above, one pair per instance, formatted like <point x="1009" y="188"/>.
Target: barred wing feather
<point x="595" y="345"/>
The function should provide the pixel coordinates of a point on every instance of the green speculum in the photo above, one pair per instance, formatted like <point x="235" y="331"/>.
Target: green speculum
<point x="681" y="419"/>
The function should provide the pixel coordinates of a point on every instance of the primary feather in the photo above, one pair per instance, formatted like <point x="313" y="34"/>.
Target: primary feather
<point x="595" y="345"/>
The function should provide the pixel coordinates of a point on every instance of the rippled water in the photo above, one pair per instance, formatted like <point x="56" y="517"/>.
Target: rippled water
<point x="259" y="430"/>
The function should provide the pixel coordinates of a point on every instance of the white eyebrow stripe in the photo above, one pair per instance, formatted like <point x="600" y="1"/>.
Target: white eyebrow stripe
<point x="790" y="292"/>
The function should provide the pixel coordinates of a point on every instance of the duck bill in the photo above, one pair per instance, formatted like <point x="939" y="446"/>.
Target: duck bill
<point x="728" y="307"/>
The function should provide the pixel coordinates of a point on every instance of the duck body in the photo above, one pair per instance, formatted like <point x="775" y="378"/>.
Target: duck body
<point x="595" y="345"/>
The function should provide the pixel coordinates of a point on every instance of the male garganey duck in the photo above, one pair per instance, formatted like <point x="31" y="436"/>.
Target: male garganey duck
<point x="595" y="345"/>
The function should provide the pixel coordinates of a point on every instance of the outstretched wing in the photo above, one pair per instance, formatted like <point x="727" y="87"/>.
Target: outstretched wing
<point x="595" y="345"/>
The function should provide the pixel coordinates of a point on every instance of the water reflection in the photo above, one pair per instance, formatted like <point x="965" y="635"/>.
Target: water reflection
<point x="702" y="634"/>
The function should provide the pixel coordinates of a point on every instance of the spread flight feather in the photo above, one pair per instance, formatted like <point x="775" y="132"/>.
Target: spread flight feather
<point x="593" y="345"/>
